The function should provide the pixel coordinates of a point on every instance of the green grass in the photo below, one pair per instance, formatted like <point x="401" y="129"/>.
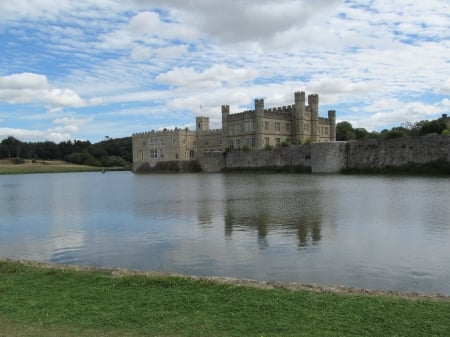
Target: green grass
<point x="9" y="167"/>
<point x="37" y="301"/>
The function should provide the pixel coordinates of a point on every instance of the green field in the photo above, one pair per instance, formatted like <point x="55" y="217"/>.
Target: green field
<point x="40" y="300"/>
<point x="7" y="166"/>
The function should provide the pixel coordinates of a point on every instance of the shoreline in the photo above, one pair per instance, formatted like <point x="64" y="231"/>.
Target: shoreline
<point x="250" y="283"/>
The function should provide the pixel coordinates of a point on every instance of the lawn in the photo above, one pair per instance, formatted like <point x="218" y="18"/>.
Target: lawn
<point x="7" y="166"/>
<point x="40" y="300"/>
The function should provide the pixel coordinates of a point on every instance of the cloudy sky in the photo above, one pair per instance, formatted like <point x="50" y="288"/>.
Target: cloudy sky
<point x="88" y="69"/>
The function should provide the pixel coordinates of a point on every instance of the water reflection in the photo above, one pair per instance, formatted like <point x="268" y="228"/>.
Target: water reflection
<point x="267" y="205"/>
<point x="373" y="232"/>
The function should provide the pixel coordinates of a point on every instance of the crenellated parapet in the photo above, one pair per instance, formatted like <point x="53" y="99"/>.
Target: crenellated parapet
<point x="241" y="115"/>
<point x="211" y="132"/>
<point x="162" y="132"/>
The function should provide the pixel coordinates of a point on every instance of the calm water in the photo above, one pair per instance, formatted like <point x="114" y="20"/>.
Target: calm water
<point x="371" y="232"/>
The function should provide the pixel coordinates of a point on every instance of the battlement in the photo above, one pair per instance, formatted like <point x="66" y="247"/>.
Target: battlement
<point x="324" y="120"/>
<point x="211" y="132"/>
<point x="289" y="109"/>
<point x="259" y="103"/>
<point x="299" y="96"/>
<point x="313" y="99"/>
<point x="242" y="115"/>
<point x="160" y="132"/>
<point x="332" y="114"/>
<point x="225" y="109"/>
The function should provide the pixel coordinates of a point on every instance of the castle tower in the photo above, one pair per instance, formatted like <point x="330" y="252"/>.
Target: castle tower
<point x="259" y="122"/>
<point x="225" y="114"/>
<point x="298" y="132"/>
<point x="332" y="119"/>
<point x="313" y="103"/>
<point x="202" y="123"/>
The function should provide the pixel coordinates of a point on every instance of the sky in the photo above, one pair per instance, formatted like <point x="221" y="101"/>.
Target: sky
<point x="92" y="69"/>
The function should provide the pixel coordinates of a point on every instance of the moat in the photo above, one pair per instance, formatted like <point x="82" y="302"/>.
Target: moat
<point x="359" y="231"/>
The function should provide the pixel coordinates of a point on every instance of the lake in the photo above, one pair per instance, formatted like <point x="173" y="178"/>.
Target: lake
<point x="389" y="233"/>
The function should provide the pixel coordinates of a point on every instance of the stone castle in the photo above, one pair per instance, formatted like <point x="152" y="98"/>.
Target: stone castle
<point x="252" y="129"/>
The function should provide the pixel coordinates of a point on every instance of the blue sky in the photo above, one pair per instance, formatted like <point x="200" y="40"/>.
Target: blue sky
<point x="89" y="69"/>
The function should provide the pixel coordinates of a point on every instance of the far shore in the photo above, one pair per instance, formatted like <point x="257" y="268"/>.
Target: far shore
<point x="8" y="166"/>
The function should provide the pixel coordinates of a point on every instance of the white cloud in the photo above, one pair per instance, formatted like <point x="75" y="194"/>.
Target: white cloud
<point x="446" y="86"/>
<point x="214" y="77"/>
<point x="376" y="63"/>
<point x="30" y="88"/>
<point x="26" y="135"/>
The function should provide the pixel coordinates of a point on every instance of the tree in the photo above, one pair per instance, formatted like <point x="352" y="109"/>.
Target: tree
<point x="436" y="126"/>
<point x="361" y="134"/>
<point x="345" y="131"/>
<point x="12" y="146"/>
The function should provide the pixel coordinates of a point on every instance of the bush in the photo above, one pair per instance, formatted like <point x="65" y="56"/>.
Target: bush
<point x="268" y="147"/>
<point x="18" y="161"/>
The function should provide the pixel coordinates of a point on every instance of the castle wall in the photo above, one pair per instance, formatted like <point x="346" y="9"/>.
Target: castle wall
<point x="328" y="157"/>
<point x="332" y="157"/>
<point x="278" y="157"/>
<point x="398" y="151"/>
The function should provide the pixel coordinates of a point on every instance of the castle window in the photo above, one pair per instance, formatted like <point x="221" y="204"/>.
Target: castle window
<point x="277" y="126"/>
<point x="326" y="131"/>
<point x="173" y="141"/>
<point x="266" y="125"/>
<point x="288" y="127"/>
<point x="237" y="144"/>
<point x="277" y="142"/>
<point x="267" y="140"/>
<point x="253" y="142"/>
<point x="152" y="142"/>
<point x="306" y="126"/>
<point x="249" y="125"/>
<point x="161" y="153"/>
<point x="161" y="141"/>
<point x="231" y="144"/>
<point x="153" y="153"/>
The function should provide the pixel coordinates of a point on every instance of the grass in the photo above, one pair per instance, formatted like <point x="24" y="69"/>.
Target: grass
<point x="51" y="301"/>
<point x="7" y="166"/>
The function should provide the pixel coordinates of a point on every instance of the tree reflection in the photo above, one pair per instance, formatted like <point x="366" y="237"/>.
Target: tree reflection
<point x="267" y="212"/>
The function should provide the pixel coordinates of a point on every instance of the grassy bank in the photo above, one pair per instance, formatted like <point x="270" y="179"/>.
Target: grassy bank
<point x="50" y="301"/>
<point x="8" y="166"/>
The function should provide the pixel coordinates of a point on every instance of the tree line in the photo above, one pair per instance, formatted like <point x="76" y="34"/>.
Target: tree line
<point x="345" y="130"/>
<point x="107" y="153"/>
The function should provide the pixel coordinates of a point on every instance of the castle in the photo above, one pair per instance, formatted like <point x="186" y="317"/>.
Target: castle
<point x="252" y="129"/>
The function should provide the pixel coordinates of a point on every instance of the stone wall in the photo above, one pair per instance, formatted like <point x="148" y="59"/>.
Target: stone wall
<point x="332" y="157"/>
<point x="279" y="157"/>
<point x="328" y="157"/>
<point x="398" y="151"/>
<point x="212" y="161"/>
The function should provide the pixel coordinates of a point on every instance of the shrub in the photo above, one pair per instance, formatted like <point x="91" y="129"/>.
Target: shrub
<point x="18" y="161"/>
